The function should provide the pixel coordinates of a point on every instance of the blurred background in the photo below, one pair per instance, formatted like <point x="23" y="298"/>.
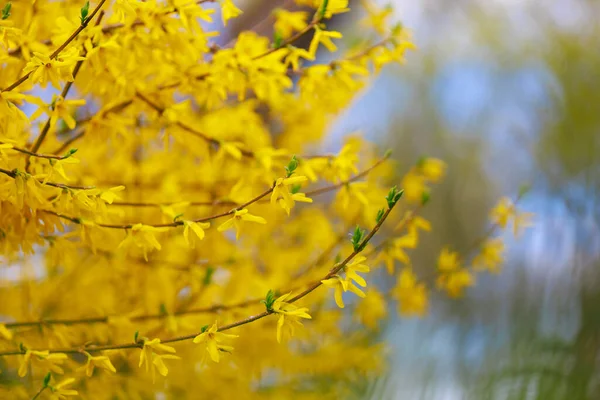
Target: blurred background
<point x="507" y="92"/>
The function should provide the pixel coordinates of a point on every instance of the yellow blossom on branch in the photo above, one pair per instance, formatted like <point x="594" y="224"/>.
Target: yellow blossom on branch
<point x="289" y="315"/>
<point x="240" y="216"/>
<point x="44" y="69"/>
<point x="212" y="339"/>
<point x="43" y="359"/>
<point x="92" y="362"/>
<point x="60" y="392"/>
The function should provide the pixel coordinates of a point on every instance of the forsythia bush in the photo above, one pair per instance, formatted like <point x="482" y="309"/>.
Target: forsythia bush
<point x="162" y="206"/>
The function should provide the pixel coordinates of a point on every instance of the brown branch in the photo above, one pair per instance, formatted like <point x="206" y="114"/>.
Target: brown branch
<point x="224" y="214"/>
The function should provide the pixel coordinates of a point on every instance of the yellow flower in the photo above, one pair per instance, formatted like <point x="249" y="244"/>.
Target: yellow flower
<point x="455" y="282"/>
<point x="231" y="148"/>
<point x="5" y="333"/>
<point x="229" y="11"/>
<point x="44" y="359"/>
<point x="287" y="22"/>
<point x="356" y="265"/>
<point x="503" y="212"/>
<point x="110" y="195"/>
<point x="236" y="221"/>
<point x="59" y="109"/>
<point x="411" y="295"/>
<point x="59" y="392"/>
<point x="520" y="221"/>
<point x="490" y="257"/>
<point x="8" y="107"/>
<point x="377" y="19"/>
<point x="124" y="10"/>
<point x="372" y="309"/>
<point x="335" y="7"/>
<point x="414" y="186"/>
<point x="340" y="286"/>
<point x="44" y="70"/>
<point x="432" y="169"/>
<point x="323" y="37"/>
<point x="448" y="261"/>
<point x="58" y="167"/>
<point x="293" y="58"/>
<point x="281" y="192"/>
<point x="150" y="349"/>
<point x="198" y="229"/>
<point x="98" y="361"/>
<point x="159" y="365"/>
<point x="142" y="237"/>
<point x="289" y="317"/>
<point x="212" y="338"/>
<point x="395" y="252"/>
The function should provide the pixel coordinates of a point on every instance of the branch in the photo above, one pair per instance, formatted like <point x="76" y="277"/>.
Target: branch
<point x="316" y="192"/>
<point x="75" y="350"/>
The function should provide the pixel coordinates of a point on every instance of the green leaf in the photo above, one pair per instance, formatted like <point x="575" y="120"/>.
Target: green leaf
<point x="356" y="238"/>
<point x="47" y="379"/>
<point x="163" y="309"/>
<point x="291" y="167"/>
<point x="277" y="40"/>
<point x="175" y="218"/>
<point x="295" y="188"/>
<point x="379" y="215"/>
<point x="208" y="276"/>
<point x="204" y="329"/>
<point x="6" y="11"/>
<point x="269" y="300"/>
<point x="84" y="12"/>
<point x="70" y="153"/>
<point x="323" y="8"/>
<point x="425" y="197"/>
<point x="393" y="196"/>
<point x="135" y="336"/>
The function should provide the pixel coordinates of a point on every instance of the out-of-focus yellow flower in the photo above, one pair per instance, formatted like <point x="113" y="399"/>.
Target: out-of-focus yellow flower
<point x="455" y="282"/>
<point x="505" y="212"/>
<point x="229" y="11"/>
<point x="44" y="359"/>
<point x="197" y="228"/>
<point x="491" y="255"/>
<point x="287" y="22"/>
<point x="142" y="237"/>
<point x="448" y="260"/>
<point x="237" y="220"/>
<point x="102" y="362"/>
<point x="432" y="169"/>
<point x="411" y="295"/>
